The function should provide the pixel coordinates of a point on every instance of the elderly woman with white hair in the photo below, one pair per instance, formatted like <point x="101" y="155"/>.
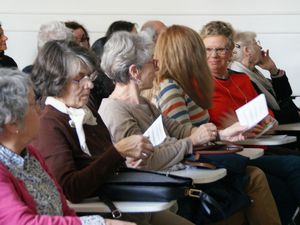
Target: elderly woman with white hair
<point x="248" y="55"/>
<point x="29" y="194"/>
<point x="54" y="30"/>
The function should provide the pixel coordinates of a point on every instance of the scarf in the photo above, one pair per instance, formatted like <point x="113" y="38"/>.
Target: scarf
<point x="78" y="117"/>
<point x="263" y="84"/>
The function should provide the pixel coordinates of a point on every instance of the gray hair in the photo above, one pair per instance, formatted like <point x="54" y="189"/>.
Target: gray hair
<point x="57" y="63"/>
<point x="14" y="89"/>
<point x="122" y="50"/>
<point x="242" y="39"/>
<point x="54" y="30"/>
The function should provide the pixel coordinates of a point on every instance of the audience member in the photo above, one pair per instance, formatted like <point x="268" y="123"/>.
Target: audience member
<point x="29" y="194"/>
<point x="5" y="61"/>
<point x="54" y="30"/>
<point x="233" y="90"/>
<point x="154" y="28"/>
<point x="73" y="139"/>
<point x="80" y="33"/>
<point x="120" y="25"/>
<point x="248" y="55"/>
<point x="103" y="85"/>
<point x="127" y="60"/>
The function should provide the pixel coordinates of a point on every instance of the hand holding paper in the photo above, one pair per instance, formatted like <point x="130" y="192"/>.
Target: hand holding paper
<point x="253" y="112"/>
<point x="156" y="135"/>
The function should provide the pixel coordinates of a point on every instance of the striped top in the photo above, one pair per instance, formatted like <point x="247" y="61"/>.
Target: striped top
<point x="175" y="103"/>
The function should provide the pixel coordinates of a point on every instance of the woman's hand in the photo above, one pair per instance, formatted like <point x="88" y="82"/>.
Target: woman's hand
<point x="267" y="63"/>
<point x="268" y="120"/>
<point x="233" y="133"/>
<point x="252" y="133"/>
<point x="117" y="222"/>
<point x="135" y="146"/>
<point x="204" y="134"/>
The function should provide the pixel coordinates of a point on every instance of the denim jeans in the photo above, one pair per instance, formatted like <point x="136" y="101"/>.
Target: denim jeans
<point x="283" y="174"/>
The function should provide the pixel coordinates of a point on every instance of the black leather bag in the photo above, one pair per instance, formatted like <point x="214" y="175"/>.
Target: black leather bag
<point x="229" y="192"/>
<point x="140" y="185"/>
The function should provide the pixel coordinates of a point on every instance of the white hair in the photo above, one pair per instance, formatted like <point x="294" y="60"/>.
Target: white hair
<point x="54" y="30"/>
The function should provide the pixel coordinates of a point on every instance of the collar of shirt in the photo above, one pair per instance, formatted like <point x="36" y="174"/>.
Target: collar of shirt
<point x="12" y="159"/>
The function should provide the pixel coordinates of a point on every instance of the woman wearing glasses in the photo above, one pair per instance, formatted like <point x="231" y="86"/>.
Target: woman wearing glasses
<point x="28" y="192"/>
<point x="129" y="63"/>
<point x="232" y="90"/>
<point x="72" y="137"/>
<point x="248" y="55"/>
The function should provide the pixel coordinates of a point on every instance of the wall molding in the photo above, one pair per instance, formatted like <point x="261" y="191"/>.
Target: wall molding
<point x="158" y="13"/>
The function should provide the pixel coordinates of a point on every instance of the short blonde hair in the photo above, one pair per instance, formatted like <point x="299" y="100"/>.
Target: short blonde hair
<point x="214" y="28"/>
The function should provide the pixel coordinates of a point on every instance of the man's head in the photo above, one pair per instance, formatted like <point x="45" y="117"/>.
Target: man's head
<point x="154" y="28"/>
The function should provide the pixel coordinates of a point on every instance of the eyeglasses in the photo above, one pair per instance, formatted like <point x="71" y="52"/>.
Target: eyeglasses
<point x="82" y="81"/>
<point x="218" y="51"/>
<point x="258" y="43"/>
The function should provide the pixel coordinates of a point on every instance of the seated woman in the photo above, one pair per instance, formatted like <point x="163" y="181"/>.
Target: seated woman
<point x="80" y="34"/>
<point x="248" y="54"/>
<point x="29" y="194"/>
<point x="233" y="90"/>
<point x="72" y="138"/>
<point x="5" y="61"/>
<point x="129" y="63"/>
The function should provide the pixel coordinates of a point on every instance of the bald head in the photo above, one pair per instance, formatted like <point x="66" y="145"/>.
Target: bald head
<point x="154" y="26"/>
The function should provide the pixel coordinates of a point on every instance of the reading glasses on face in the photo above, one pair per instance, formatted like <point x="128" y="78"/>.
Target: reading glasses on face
<point x="218" y="51"/>
<point x="92" y="77"/>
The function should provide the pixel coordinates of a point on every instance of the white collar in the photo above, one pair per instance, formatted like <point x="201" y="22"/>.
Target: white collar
<point x="78" y="117"/>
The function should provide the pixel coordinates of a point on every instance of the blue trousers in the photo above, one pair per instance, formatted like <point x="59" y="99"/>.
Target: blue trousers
<point x="283" y="174"/>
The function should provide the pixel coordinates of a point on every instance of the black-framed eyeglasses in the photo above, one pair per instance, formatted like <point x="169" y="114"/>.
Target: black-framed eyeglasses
<point x="218" y="51"/>
<point x="91" y="77"/>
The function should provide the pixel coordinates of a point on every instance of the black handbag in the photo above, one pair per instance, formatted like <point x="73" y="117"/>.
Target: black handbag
<point x="229" y="192"/>
<point x="129" y="184"/>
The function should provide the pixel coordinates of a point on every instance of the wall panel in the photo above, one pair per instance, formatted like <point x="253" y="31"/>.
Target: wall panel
<point x="276" y="22"/>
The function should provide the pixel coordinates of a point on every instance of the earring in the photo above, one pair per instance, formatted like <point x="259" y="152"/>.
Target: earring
<point x="138" y="82"/>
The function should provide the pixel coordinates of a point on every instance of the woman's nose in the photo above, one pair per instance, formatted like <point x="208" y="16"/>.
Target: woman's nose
<point x="87" y="84"/>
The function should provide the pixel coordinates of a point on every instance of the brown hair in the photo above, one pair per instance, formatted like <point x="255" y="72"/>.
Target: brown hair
<point x="182" y="57"/>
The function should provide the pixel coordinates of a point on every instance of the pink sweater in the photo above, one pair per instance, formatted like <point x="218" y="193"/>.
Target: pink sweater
<point x="17" y="207"/>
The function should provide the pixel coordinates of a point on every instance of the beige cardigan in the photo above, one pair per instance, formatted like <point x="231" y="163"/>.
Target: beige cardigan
<point x="124" y="119"/>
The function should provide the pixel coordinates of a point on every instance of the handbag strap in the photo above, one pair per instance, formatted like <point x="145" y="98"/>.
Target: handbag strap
<point x="216" y="152"/>
<point x="206" y="201"/>
<point x="115" y="212"/>
<point x="199" y="164"/>
<point x="218" y="147"/>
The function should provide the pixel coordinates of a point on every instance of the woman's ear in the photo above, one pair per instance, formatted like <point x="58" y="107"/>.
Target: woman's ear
<point x="12" y="128"/>
<point x="246" y="50"/>
<point x="134" y="72"/>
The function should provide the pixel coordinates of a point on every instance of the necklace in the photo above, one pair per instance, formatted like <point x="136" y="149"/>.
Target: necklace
<point x="228" y="92"/>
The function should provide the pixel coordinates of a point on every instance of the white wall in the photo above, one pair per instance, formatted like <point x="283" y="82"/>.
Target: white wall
<point x="276" y="22"/>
